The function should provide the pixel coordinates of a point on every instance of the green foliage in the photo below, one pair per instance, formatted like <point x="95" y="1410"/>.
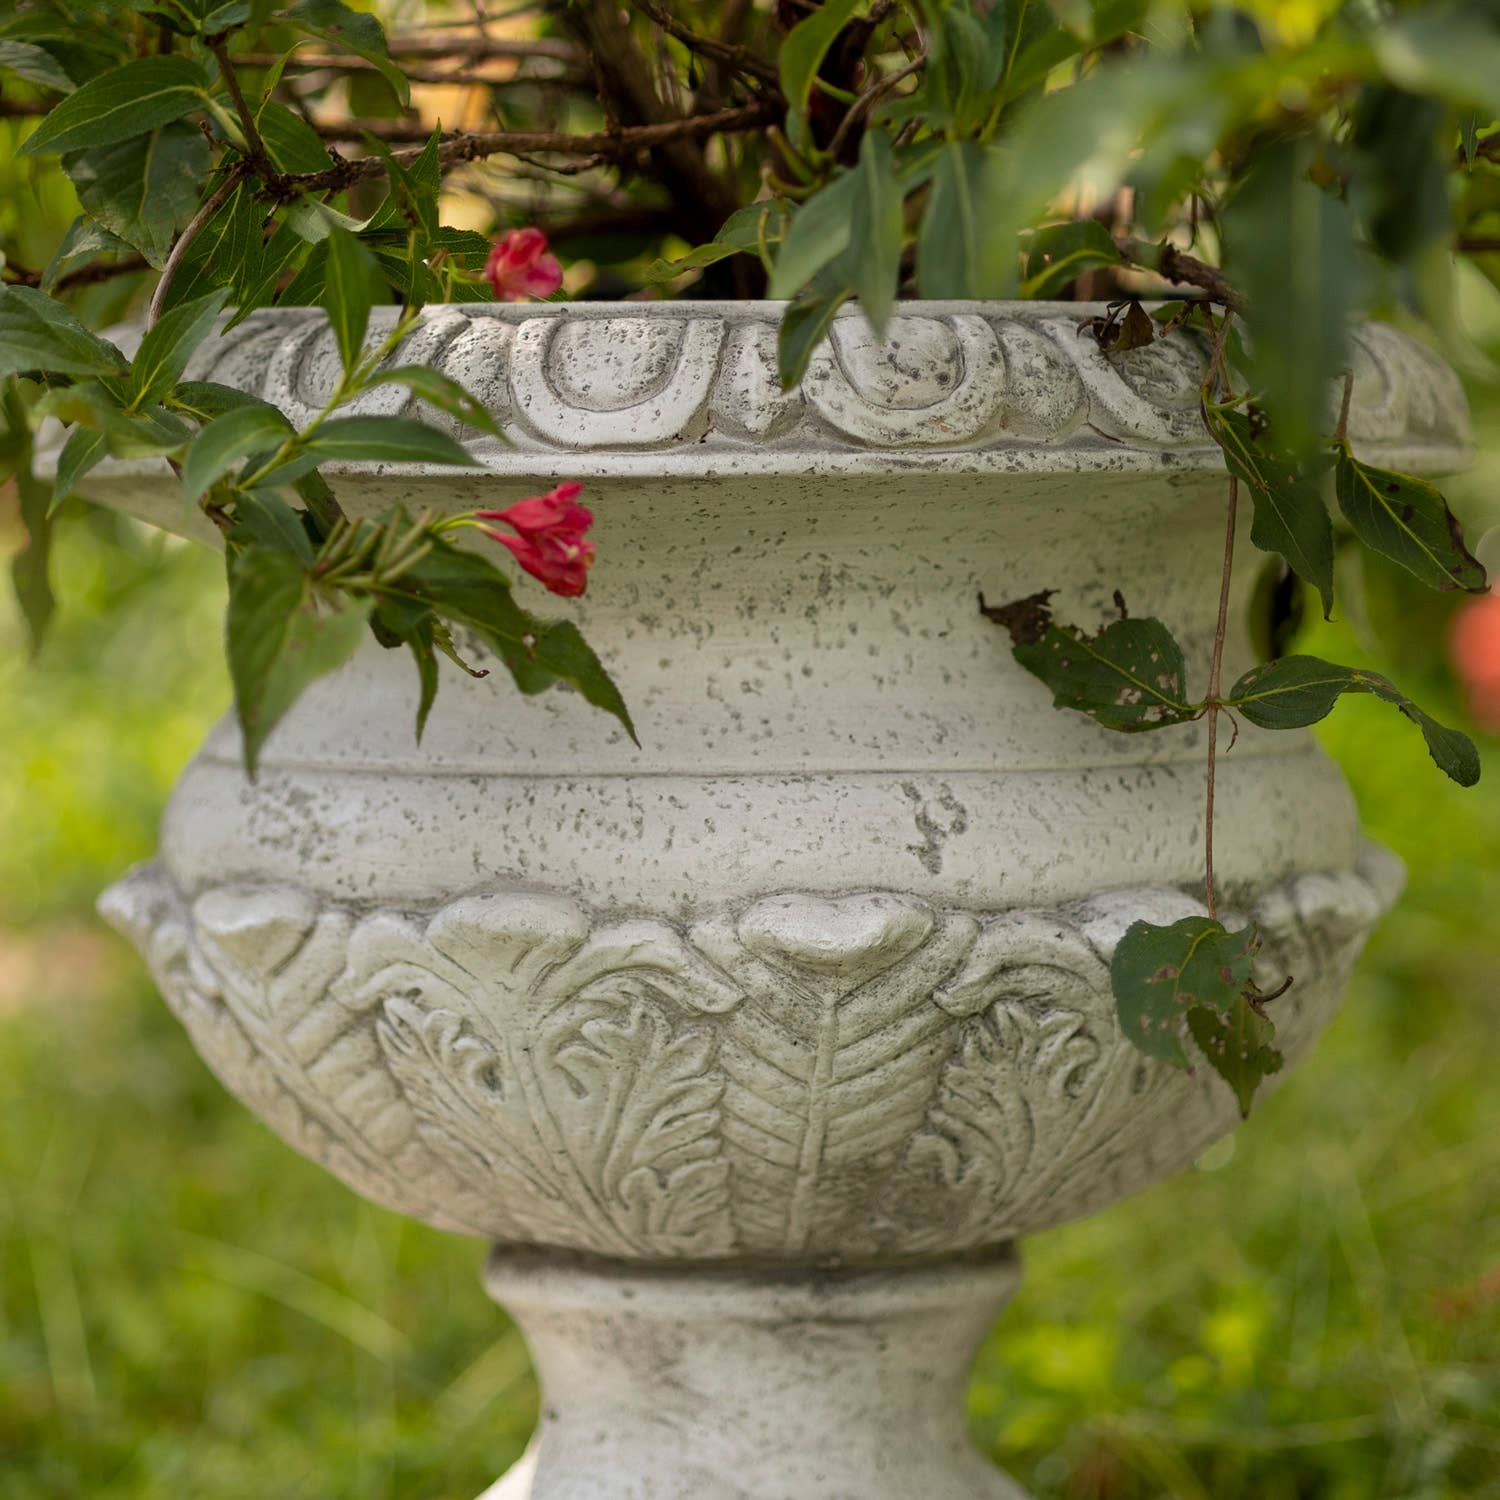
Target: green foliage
<point x="1407" y="520"/>
<point x="143" y="190"/>
<point x="282" y="634"/>
<point x="1296" y="172"/>
<point x="1130" y="676"/>
<point x="1286" y="489"/>
<point x="38" y="333"/>
<point x="122" y="104"/>
<point x="1299" y="690"/>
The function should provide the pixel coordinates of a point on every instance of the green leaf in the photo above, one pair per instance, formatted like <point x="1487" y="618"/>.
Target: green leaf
<point x="1296" y="691"/>
<point x="948" y="243"/>
<point x="1131" y="676"/>
<point x="875" y="230"/>
<point x="353" y="283"/>
<point x="264" y="517"/>
<point x="354" y="31"/>
<point x="420" y="642"/>
<point x="226" y="440"/>
<point x="819" y="233"/>
<point x="801" y="56"/>
<point x="1290" y="515"/>
<point x="313" y="220"/>
<point x="125" y="102"/>
<point x="84" y="449"/>
<point x="1160" y="974"/>
<point x="293" y="144"/>
<point x="84" y="241"/>
<point x="169" y="344"/>
<point x="1045" y="47"/>
<point x="385" y="440"/>
<point x="1408" y="521"/>
<point x="805" y="324"/>
<point x="441" y="391"/>
<point x="1058" y="254"/>
<point x="1289" y="247"/>
<point x="745" y="230"/>
<point x="34" y="64"/>
<point x="281" y="636"/>
<point x="469" y="590"/>
<point x="207" y="399"/>
<point x="37" y="333"/>
<point x="1237" y="1047"/>
<point x="143" y="190"/>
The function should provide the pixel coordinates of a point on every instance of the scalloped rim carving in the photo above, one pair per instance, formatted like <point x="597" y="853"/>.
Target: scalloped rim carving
<point x="795" y="1078"/>
<point x="689" y="389"/>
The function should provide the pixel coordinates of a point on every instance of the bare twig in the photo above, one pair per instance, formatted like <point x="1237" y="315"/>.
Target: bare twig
<point x="702" y="197"/>
<point x="1181" y="269"/>
<point x="867" y="101"/>
<point x="211" y="206"/>
<point x="735" y="58"/>
<point x="1478" y="244"/>
<point x="1216" y="378"/>
<point x="614" y="145"/>
<point x="1215" y="668"/>
<point x="255" y="148"/>
<point x="1341" y="432"/>
<point x="468" y="49"/>
<point x="14" y="275"/>
<point x="460" y="71"/>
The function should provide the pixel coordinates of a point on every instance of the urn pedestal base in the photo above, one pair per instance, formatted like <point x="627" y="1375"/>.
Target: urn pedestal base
<point x="751" y="1384"/>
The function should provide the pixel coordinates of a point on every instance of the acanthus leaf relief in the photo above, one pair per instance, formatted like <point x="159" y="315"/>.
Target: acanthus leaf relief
<point x="804" y="1075"/>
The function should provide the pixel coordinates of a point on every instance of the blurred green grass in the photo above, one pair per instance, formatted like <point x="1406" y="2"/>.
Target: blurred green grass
<point x="189" y="1309"/>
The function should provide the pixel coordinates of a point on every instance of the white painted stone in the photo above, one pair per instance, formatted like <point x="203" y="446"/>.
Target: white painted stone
<point x="757" y="1045"/>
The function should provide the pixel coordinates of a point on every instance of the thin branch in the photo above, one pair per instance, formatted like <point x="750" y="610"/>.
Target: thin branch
<point x="1341" y="432"/>
<point x="614" y="145"/>
<point x="1174" y="265"/>
<point x="255" y="148"/>
<point x="457" y="72"/>
<point x="1478" y="244"/>
<point x="211" y="206"/>
<point x="867" y="101"/>
<point x="22" y="109"/>
<point x="1215" y="667"/>
<point x="1216" y="377"/>
<point x="15" y="275"/>
<point x="737" y="59"/>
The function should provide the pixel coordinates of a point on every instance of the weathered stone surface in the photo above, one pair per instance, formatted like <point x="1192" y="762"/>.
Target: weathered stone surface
<point x="817" y="976"/>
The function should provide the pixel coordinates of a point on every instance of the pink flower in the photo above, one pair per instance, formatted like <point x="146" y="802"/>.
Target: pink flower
<point x="550" y="543"/>
<point x="520" y="267"/>
<point x="1474" y="649"/>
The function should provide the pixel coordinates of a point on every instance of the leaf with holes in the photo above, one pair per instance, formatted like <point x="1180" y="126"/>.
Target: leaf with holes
<point x="1131" y="676"/>
<point x="1160" y="974"/>
<point x="1237" y="1045"/>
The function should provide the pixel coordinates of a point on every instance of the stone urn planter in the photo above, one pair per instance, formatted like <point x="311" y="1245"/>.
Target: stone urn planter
<point x="756" y="1050"/>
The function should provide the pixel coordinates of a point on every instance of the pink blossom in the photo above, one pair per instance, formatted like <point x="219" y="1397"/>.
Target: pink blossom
<point x="520" y="266"/>
<point x="550" y="542"/>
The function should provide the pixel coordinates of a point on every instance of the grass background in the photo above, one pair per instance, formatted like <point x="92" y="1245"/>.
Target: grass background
<point x="189" y="1309"/>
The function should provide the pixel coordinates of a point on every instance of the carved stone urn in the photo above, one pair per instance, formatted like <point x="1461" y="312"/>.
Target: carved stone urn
<point x="756" y="1050"/>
